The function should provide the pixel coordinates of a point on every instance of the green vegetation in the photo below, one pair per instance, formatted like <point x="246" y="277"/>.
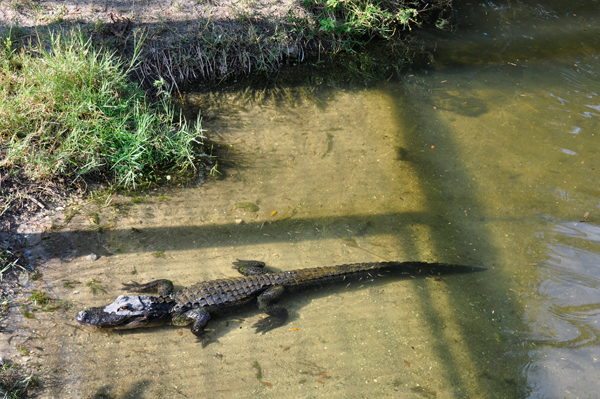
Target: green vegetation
<point x="350" y="23"/>
<point x="14" y="381"/>
<point x="45" y="302"/>
<point x="23" y="350"/>
<point x="247" y="205"/>
<point x="259" y="43"/>
<point x="7" y="261"/>
<point x="27" y="313"/>
<point x="41" y="298"/>
<point x="95" y="287"/>
<point x="71" y="284"/>
<point x="68" y="110"/>
<point x="159" y="254"/>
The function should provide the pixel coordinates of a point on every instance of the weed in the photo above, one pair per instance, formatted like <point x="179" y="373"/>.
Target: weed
<point x="4" y="306"/>
<point x="99" y="26"/>
<point x="102" y="197"/>
<point x="15" y="381"/>
<point x="26" y="313"/>
<point x="93" y="217"/>
<point x="70" y="284"/>
<point x="352" y="23"/>
<point x="159" y="254"/>
<point x="35" y="276"/>
<point x="68" y="216"/>
<point x="45" y="302"/>
<point x="7" y="261"/>
<point x="23" y="350"/>
<point x="94" y="286"/>
<point x="40" y="298"/>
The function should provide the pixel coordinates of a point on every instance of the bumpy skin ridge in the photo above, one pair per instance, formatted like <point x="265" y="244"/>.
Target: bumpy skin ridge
<point x="231" y="291"/>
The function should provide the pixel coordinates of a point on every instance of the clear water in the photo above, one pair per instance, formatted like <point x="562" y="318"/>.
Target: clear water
<point x="488" y="157"/>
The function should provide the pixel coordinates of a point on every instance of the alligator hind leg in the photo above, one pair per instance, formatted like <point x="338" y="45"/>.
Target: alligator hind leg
<point x="250" y="267"/>
<point x="277" y="314"/>
<point x="163" y="287"/>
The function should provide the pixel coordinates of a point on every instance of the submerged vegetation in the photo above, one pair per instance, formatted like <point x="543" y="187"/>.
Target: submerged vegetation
<point x="70" y="110"/>
<point x="15" y="382"/>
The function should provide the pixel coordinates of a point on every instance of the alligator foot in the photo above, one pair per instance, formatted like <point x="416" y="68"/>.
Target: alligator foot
<point x="250" y="267"/>
<point x="163" y="287"/>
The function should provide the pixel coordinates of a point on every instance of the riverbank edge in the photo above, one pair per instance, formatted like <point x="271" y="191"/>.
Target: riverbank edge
<point x="191" y="41"/>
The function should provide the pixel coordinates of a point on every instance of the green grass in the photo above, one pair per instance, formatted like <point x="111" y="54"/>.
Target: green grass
<point x="14" y="381"/>
<point x="70" y="110"/>
<point x="7" y="260"/>
<point x="214" y="50"/>
<point x="351" y="23"/>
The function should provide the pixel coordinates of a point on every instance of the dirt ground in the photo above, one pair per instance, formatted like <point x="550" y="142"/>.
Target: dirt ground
<point x="178" y="15"/>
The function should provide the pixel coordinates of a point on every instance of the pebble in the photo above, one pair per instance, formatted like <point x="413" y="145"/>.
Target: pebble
<point x="92" y="257"/>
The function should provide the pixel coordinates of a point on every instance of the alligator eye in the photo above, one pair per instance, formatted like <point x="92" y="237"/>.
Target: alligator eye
<point x="124" y="307"/>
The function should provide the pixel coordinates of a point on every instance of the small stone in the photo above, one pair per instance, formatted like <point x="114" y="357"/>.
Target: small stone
<point x="238" y="221"/>
<point x="92" y="257"/>
<point x="75" y="292"/>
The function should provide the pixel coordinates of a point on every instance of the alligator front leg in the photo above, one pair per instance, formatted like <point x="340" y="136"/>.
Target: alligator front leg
<point x="163" y="287"/>
<point x="277" y="314"/>
<point x="199" y="317"/>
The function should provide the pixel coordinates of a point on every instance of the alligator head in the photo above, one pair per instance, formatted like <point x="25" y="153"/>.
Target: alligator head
<point x="127" y="312"/>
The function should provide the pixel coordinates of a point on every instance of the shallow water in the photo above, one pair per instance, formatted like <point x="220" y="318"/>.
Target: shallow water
<point x="486" y="158"/>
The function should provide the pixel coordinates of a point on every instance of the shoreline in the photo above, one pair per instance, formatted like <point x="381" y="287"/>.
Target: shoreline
<point x="187" y="41"/>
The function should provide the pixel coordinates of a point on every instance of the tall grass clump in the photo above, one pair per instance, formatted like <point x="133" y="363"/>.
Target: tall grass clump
<point x="68" y="110"/>
<point x="351" y="23"/>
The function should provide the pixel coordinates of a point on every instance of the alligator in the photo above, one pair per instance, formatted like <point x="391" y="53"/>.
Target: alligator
<point x="196" y="304"/>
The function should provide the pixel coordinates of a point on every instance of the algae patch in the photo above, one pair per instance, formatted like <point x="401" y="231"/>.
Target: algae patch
<point x="249" y="206"/>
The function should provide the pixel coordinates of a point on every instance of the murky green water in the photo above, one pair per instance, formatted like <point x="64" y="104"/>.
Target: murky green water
<point x="489" y="157"/>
